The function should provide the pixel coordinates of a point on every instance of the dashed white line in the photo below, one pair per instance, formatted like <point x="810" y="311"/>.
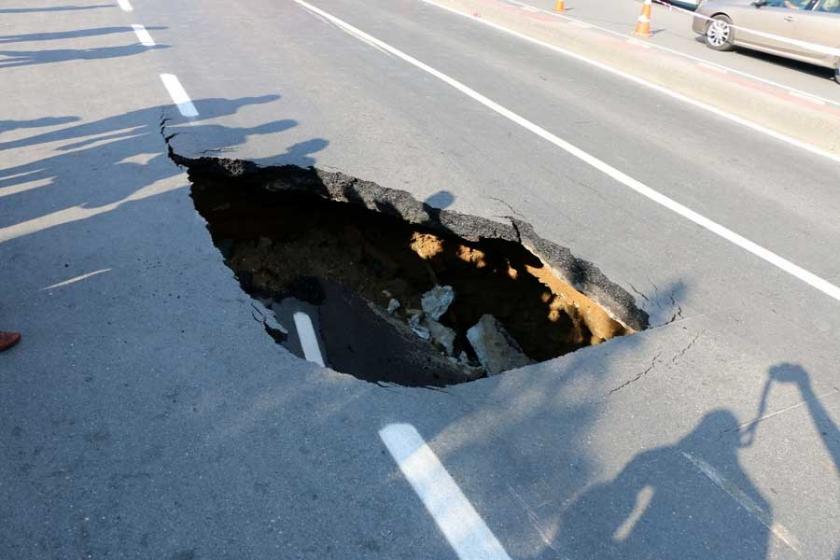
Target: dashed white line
<point x="457" y="519"/>
<point x="308" y="340"/>
<point x="143" y="35"/>
<point x="125" y="5"/>
<point x="179" y="95"/>
<point x="794" y="270"/>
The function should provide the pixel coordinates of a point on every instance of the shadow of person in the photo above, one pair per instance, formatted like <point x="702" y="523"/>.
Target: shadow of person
<point x="28" y="58"/>
<point x="96" y="164"/>
<point x="688" y="500"/>
<point x="54" y="9"/>
<point x="826" y="428"/>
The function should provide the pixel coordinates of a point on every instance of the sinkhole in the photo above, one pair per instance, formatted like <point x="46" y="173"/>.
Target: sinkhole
<point x="399" y="291"/>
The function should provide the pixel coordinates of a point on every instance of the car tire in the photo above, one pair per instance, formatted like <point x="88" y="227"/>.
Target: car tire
<point x="719" y="33"/>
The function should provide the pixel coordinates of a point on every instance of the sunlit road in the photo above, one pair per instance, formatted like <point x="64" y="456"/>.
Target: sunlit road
<point x="146" y="414"/>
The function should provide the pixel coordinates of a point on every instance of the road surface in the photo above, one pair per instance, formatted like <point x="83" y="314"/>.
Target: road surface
<point x="146" y="414"/>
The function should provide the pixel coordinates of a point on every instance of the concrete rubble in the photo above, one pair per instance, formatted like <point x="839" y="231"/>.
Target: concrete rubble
<point x="495" y="348"/>
<point x="436" y="301"/>
<point x="442" y="336"/>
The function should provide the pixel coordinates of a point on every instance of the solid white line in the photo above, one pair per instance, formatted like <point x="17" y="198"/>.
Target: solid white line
<point x="143" y="35"/>
<point x="75" y="279"/>
<point x="809" y="278"/>
<point x="457" y="519"/>
<point x="308" y="340"/>
<point x="806" y="97"/>
<point x="125" y="5"/>
<point x="179" y="95"/>
<point x="745" y="501"/>
<point x="665" y="49"/>
<point x="642" y="82"/>
<point x="713" y="67"/>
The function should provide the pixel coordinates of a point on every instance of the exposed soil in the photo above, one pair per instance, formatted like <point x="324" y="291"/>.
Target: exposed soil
<point x="287" y="234"/>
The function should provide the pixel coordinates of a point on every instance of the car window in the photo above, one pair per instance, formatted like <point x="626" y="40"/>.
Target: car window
<point x="789" y="4"/>
<point x="830" y="6"/>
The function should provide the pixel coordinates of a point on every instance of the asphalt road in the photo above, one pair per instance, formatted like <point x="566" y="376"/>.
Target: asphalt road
<point x="671" y="27"/>
<point x="146" y="414"/>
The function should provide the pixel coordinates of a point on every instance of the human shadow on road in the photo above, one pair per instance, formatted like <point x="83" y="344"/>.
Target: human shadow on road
<point x="69" y="8"/>
<point x="74" y="34"/>
<point x="826" y="428"/>
<point x="687" y="500"/>
<point x="9" y="125"/>
<point x="16" y="59"/>
<point x="106" y="161"/>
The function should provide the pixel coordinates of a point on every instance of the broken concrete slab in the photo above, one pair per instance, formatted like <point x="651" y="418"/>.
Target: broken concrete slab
<point x="442" y="336"/>
<point x="436" y="301"/>
<point x="495" y="347"/>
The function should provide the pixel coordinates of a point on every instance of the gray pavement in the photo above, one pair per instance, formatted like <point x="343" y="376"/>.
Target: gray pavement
<point x="146" y="414"/>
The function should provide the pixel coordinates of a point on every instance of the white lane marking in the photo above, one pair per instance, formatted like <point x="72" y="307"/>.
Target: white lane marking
<point x="666" y="49"/>
<point x="143" y="35"/>
<point x="643" y="499"/>
<point x="642" y="82"/>
<point x="179" y="95"/>
<point x="713" y="67"/>
<point x="794" y="270"/>
<point x="806" y="97"/>
<point x="457" y="519"/>
<point x="746" y="502"/>
<point x="75" y="279"/>
<point x="308" y="340"/>
<point x="125" y="5"/>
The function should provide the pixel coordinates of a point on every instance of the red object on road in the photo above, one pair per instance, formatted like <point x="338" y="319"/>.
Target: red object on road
<point x="8" y="339"/>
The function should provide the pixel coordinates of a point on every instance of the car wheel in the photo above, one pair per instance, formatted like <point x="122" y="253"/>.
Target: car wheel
<point x="837" y="74"/>
<point x="719" y="33"/>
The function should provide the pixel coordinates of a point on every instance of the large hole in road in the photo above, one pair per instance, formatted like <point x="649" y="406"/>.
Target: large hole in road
<point x="399" y="291"/>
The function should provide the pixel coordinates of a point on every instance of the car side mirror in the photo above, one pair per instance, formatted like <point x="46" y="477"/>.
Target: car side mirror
<point x="759" y="3"/>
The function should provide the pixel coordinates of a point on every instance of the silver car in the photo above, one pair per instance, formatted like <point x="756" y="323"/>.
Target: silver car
<point x="804" y="30"/>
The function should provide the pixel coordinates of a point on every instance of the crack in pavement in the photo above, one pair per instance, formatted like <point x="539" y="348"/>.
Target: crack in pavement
<point x="653" y="364"/>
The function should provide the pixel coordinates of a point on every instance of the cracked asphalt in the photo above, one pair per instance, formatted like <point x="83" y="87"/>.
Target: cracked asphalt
<point x="146" y="414"/>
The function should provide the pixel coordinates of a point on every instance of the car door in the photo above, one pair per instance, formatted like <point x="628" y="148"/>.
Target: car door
<point x="819" y="28"/>
<point x="770" y="26"/>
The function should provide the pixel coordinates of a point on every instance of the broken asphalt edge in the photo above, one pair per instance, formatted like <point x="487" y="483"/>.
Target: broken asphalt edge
<point x="338" y="187"/>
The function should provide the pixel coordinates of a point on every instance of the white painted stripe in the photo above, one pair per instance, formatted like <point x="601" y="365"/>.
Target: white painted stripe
<point x="125" y="5"/>
<point x="143" y="35"/>
<point x="713" y="67"/>
<point x="745" y="501"/>
<point x="661" y="47"/>
<point x="806" y="97"/>
<point x="642" y="82"/>
<point x="457" y="519"/>
<point x="179" y="95"/>
<point x="75" y="279"/>
<point x="308" y="340"/>
<point x="809" y="278"/>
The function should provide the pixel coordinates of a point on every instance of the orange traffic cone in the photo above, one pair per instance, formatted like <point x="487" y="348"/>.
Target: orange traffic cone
<point x="560" y="6"/>
<point x="643" y="23"/>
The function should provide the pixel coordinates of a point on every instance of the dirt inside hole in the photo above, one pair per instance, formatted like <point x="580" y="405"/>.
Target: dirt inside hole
<point x="363" y="274"/>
